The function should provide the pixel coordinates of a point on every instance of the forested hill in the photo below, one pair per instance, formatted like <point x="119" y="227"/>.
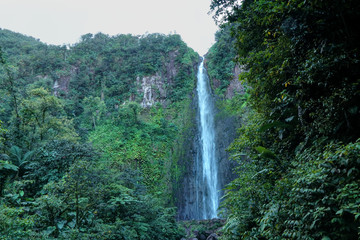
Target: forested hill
<point x="100" y="65"/>
<point x="90" y="135"/>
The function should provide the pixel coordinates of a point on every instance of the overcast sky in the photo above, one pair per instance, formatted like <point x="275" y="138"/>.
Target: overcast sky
<point x="64" y="21"/>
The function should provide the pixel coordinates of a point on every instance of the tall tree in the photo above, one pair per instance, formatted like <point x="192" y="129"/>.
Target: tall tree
<point x="43" y="118"/>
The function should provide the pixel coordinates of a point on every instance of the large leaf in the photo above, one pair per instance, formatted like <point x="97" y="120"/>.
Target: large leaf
<point x="16" y="152"/>
<point x="264" y="152"/>
<point x="4" y="165"/>
<point x="275" y="124"/>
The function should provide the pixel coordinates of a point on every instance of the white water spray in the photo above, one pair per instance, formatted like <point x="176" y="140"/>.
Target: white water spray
<point x="209" y="182"/>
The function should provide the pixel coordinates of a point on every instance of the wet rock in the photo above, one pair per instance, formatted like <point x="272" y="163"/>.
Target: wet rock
<point x="153" y="90"/>
<point x="203" y="229"/>
<point x="212" y="236"/>
<point x="201" y="237"/>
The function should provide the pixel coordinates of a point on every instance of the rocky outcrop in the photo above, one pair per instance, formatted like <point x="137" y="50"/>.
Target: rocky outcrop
<point x="235" y="86"/>
<point x="155" y="88"/>
<point x="203" y="230"/>
<point x="62" y="81"/>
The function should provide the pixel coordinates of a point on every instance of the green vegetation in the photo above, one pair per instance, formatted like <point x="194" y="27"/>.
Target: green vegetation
<point x="80" y="157"/>
<point x="220" y="60"/>
<point x="302" y="121"/>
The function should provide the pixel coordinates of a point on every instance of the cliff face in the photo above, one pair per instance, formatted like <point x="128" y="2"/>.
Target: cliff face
<point x="152" y="88"/>
<point x="61" y="81"/>
<point x="225" y="128"/>
<point x="156" y="88"/>
<point x="225" y="132"/>
<point x="148" y="69"/>
<point x="185" y="194"/>
<point x="235" y="86"/>
<point x="224" y="79"/>
<point x="226" y="125"/>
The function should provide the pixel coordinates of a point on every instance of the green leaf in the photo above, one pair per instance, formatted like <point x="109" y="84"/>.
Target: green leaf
<point x="61" y="224"/>
<point x="264" y="152"/>
<point x="27" y="156"/>
<point x="8" y="166"/>
<point x="16" y="152"/>
<point x="275" y="124"/>
<point x="340" y="212"/>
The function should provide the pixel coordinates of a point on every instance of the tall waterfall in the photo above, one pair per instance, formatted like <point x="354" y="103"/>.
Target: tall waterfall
<point x="205" y="168"/>
<point x="207" y="197"/>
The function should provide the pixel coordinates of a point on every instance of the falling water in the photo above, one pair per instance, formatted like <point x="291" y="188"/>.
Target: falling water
<point x="207" y="183"/>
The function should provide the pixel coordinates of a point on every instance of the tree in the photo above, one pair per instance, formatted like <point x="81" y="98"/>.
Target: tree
<point x="301" y="59"/>
<point x="8" y="82"/>
<point x="94" y="110"/>
<point x="43" y="119"/>
<point x="52" y="161"/>
<point x="20" y="160"/>
<point x="66" y="190"/>
<point x="220" y="60"/>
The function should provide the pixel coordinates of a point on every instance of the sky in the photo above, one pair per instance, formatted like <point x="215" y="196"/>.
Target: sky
<point x="64" y="21"/>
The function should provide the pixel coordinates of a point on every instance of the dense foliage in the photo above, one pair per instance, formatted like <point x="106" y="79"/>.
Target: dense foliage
<point x="302" y="131"/>
<point x="80" y="157"/>
<point x="220" y="60"/>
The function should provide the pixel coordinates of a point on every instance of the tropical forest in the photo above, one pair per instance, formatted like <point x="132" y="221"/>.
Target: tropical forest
<point x="139" y="137"/>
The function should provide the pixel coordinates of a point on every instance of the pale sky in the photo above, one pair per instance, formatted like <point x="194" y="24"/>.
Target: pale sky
<point x="64" y="21"/>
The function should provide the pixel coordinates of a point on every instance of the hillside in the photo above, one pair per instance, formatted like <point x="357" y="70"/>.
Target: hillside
<point x="91" y="134"/>
<point x="130" y="137"/>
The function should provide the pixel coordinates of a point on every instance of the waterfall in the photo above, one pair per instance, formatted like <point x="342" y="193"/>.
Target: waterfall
<point x="207" y="198"/>
<point x="204" y="161"/>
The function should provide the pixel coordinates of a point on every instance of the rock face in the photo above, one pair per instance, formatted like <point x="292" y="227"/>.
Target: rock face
<point x="155" y="88"/>
<point x="170" y="66"/>
<point x="62" y="82"/>
<point x="186" y="192"/>
<point x="235" y="85"/>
